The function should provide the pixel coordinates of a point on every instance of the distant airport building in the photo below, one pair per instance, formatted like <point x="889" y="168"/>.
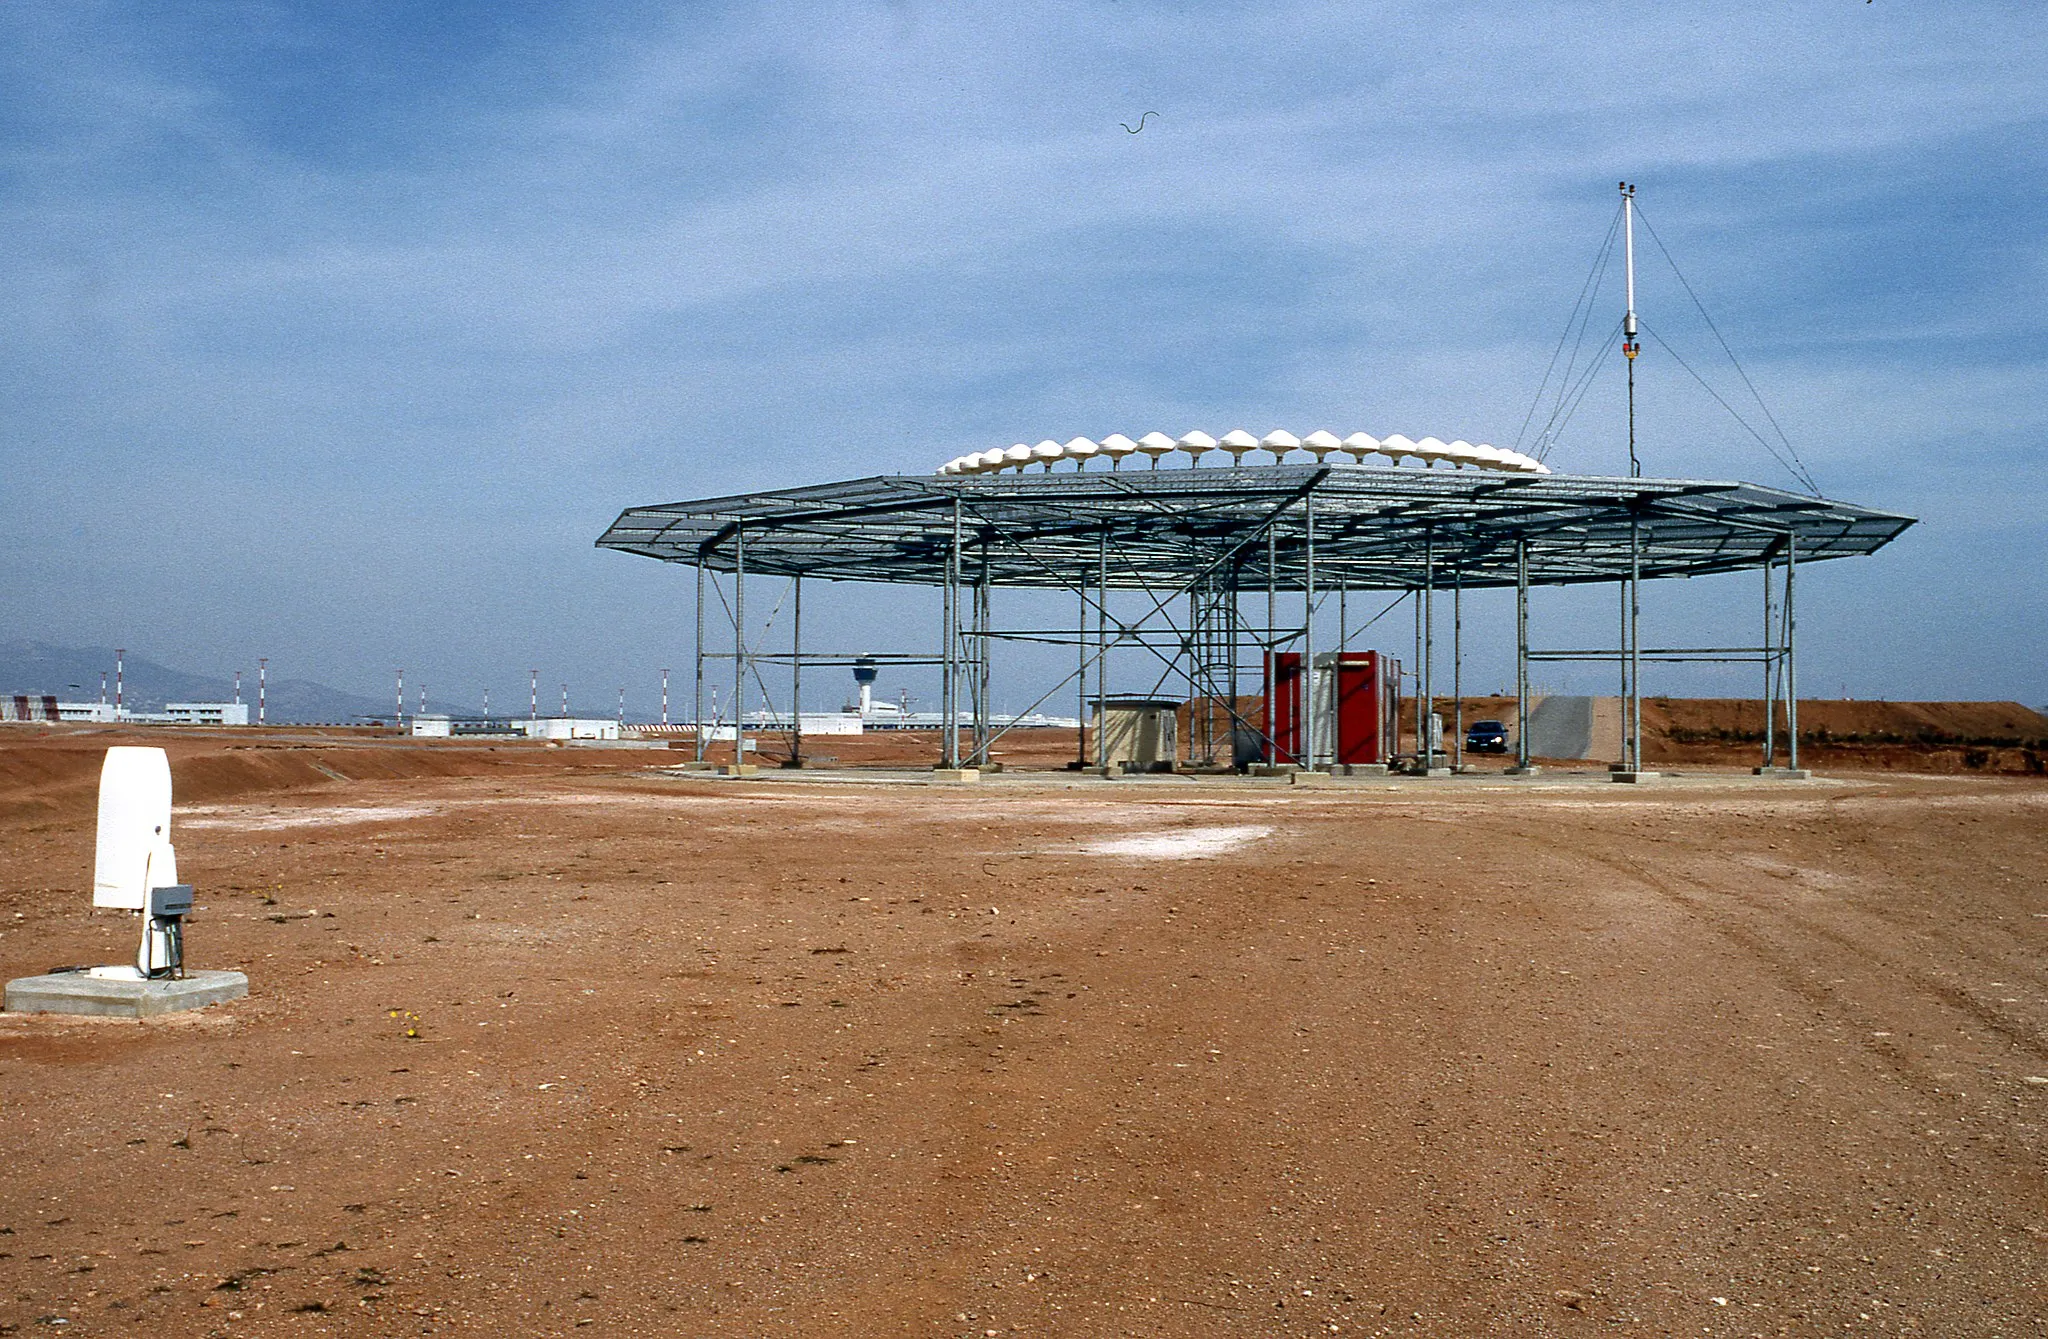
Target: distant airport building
<point x="43" y="707"/>
<point x="206" y="713"/>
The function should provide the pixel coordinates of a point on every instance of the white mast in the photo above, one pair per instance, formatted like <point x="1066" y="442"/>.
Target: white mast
<point x="1631" y="608"/>
<point x="1628" y="320"/>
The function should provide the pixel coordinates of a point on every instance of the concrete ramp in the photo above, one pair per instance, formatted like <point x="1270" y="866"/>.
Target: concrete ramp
<point x="1560" y="727"/>
<point x="1576" y="727"/>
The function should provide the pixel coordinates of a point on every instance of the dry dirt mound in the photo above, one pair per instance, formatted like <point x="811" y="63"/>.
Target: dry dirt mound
<point x="55" y="772"/>
<point x="1890" y="736"/>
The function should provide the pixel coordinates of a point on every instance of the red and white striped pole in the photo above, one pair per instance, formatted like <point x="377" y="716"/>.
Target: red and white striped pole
<point x="262" y="687"/>
<point x="565" y="701"/>
<point x="399" y="718"/>
<point x="118" y="654"/>
<point x="664" y="697"/>
<point x="238" y="688"/>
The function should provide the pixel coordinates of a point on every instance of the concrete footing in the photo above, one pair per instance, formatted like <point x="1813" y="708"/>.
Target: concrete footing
<point x="1359" y="769"/>
<point x="1634" y="778"/>
<point x="1531" y="770"/>
<point x="1782" y="773"/>
<point x="956" y="774"/>
<point x="739" y="769"/>
<point x="111" y="997"/>
<point x="1308" y="779"/>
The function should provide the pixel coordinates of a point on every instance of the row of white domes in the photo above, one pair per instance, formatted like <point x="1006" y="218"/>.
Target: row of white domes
<point x="1237" y="444"/>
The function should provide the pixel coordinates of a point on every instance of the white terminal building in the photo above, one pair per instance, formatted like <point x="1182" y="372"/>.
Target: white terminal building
<point x="27" y="707"/>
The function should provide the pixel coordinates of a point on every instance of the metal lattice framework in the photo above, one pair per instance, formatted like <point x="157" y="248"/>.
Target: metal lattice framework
<point x="1213" y="535"/>
<point x="1366" y="528"/>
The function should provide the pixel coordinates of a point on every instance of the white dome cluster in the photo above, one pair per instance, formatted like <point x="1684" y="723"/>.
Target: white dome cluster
<point x="1237" y="444"/>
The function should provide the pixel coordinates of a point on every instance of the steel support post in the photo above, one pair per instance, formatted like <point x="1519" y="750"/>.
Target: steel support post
<point x="1271" y="641"/>
<point x="1191" y="645"/>
<point x="739" y="646"/>
<point x="1791" y="656"/>
<point x="1770" y="673"/>
<point x="1458" y="669"/>
<point x="1522" y="653"/>
<point x="1102" y="643"/>
<point x="1634" y="705"/>
<point x="1232" y="603"/>
<point x="1308" y="629"/>
<point x="697" y="705"/>
<point x="1081" y="674"/>
<point x="796" y="678"/>
<point x="949" y="741"/>
<point x="1426" y="699"/>
<point x="1416" y="661"/>
<point x="981" y="662"/>
<point x="1621" y="664"/>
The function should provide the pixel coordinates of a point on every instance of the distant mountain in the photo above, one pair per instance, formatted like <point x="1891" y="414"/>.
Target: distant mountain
<point x="72" y="673"/>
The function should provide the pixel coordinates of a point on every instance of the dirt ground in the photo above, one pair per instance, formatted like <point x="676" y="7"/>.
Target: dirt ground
<point x="541" y="1040"/>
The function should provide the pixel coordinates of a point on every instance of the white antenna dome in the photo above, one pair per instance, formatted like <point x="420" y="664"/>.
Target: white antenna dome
<point x="1157" y="444"/>
<point x="1362" y="444"/>
<point x="1237" y="441"/>
<point x="1280" y="442"/>
<point x="1116" y="446"/>
<point x="1320" y="444"/>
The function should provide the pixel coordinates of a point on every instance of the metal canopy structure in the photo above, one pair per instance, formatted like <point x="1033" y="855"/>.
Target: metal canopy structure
<point x="1213" y="536"/>
<point x="1290" y="526"/>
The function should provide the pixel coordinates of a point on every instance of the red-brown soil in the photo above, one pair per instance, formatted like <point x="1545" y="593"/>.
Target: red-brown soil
<point x="541" y="1041"/>
<point x="1883" y="736"/>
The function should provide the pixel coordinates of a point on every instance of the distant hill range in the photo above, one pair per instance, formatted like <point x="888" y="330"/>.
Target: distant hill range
<point x="72" y="674"/>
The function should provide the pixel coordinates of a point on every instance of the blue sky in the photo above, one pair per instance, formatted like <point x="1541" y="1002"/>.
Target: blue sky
<point x="337" y="333"/>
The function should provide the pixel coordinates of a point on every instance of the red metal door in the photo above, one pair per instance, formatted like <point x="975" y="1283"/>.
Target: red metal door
<point x="1367" y="700"/>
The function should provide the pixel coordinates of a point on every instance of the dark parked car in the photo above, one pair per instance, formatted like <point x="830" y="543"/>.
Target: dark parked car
<point x="1487" y="737"/>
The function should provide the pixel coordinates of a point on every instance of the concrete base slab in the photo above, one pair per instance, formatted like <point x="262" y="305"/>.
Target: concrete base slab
<point x="1267" y="769"/>
<point x="1308" y="779"/>
<point x="739" y="769"/>
<point x="1634" y="778"/>
<point x="956" y="774"/>
<point x="1782" y="773"/>
<point x="1359" y="769"/>
<point x="1436" y="771"/>
<point x="1531" y="770"/>
<point x="693" y="766"/>
<point x="109" y="997"/>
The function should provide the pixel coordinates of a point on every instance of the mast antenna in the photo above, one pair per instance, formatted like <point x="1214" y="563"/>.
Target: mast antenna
<point x="1629" y="346"/>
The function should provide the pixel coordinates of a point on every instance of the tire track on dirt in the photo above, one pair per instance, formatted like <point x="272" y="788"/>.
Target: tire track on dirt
<point x="1782" y="966"/>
